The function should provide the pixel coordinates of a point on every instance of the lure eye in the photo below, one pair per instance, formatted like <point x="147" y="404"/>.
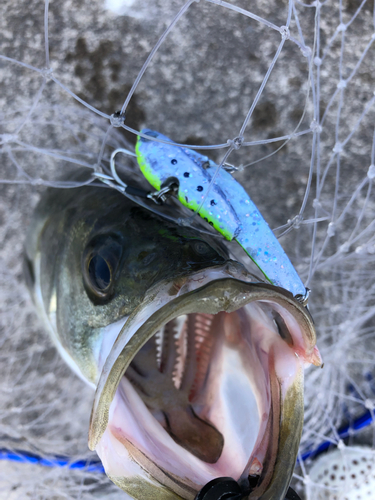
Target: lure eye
<point x="100" y="264"/>
<point x="282" y="328"/>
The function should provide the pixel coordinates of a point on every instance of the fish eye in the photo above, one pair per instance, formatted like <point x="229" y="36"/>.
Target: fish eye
<point x="282" y="328"/>
<point x="201" y="248"/>
<point x="99" y="273"/>
<point x="100" y="263"/>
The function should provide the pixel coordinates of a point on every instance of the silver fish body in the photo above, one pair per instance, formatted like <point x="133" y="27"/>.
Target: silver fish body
<point x="197" y="364"/>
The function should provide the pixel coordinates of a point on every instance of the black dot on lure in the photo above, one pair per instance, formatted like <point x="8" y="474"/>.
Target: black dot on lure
<point x="174" y="162"/>
<point x="200" y="188"/>
<point x="186" y="174"/>
<point x="213" y="203"/>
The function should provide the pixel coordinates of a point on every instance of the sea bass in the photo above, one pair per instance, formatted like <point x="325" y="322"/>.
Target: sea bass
<point x="197" y="364"/>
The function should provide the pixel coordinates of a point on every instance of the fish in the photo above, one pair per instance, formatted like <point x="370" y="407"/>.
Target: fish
<point x="197" y="363"/>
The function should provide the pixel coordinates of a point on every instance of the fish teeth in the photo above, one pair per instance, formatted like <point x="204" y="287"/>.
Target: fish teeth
<point x="190" y="358"/>
<point x="158" y="344"/>
<point x="181" y="346"/>
<point x="183" y="349"/>
<point x="169" y="351"/>
<point x="203" y="342"/>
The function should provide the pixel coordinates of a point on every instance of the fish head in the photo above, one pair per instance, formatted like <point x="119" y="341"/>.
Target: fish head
<point x="93" y="258"/>
<point x="198" y="365"/>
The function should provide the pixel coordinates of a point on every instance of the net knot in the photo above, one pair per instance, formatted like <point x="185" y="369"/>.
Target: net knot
<point x="341" y="445"/>
<point x="97" y="168"/>
<point x="331" y="229"/>
<point x="338" y="147"/>
<point x="341" y="27"/>
<point x="47" y="72"/>
<point x="296" y="221"/>
<point x="284" y="32"/>
<point x="307" y="480"/>
<point x="317" y="61"/>
<point x="236" y="142"/>
<point x="316" y="203"/>
<point x="306" y="51"/>
<point x="315" y="127"/>
<point x="181" y="221"/>
<point x="369" y="404"/>
<point x="371" y="172"/>
<point x="344" y="248"/>
<point x="341" y="84"/>
<point x="117" y="119"/>
<point x="7" y="138"/>
<point x="37" y="182"/>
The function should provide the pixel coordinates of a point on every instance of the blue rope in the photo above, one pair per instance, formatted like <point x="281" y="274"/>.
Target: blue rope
<point x="54" y="461"/>
<point x="96" y="466"/>
<point x="359" y="423"/>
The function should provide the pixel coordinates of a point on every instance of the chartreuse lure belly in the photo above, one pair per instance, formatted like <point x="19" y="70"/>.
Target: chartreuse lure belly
<point x="228" y="208"/>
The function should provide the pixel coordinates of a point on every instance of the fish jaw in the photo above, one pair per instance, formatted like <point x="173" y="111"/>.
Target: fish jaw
<point x="144" y="457"/>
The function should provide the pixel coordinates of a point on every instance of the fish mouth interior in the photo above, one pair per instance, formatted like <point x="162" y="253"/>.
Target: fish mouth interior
<point x="200" y="378"/>
<point x="201" y="396"/>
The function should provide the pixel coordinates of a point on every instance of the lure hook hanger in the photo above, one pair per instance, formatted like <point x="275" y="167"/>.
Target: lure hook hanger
<point x="137" y="194"/>
<point x="161" y="196"/>
<point x="303" y="298"/>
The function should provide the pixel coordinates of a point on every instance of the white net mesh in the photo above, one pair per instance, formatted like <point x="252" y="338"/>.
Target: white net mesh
<point x="295" y="80"/>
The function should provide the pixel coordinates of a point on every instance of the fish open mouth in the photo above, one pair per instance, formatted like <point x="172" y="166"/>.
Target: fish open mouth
<point x="205" y="380"/>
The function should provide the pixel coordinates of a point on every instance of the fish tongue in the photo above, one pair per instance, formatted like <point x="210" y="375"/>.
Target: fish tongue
<point x="194" y="434"/>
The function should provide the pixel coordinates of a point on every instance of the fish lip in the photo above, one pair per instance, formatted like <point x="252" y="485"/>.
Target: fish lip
<point x="230" y="293"/>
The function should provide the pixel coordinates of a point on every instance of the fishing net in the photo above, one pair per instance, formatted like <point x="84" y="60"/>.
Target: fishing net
<point x="286" y="88"/>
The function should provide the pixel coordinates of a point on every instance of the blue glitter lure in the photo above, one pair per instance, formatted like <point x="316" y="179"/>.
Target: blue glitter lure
<point x="227" y="207"/>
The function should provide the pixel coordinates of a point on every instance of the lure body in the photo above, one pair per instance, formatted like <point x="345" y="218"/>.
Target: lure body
<point x="227" y="207"/>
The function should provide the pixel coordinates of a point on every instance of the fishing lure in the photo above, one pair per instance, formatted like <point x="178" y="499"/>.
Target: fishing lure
<point x="219" y="199"/>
